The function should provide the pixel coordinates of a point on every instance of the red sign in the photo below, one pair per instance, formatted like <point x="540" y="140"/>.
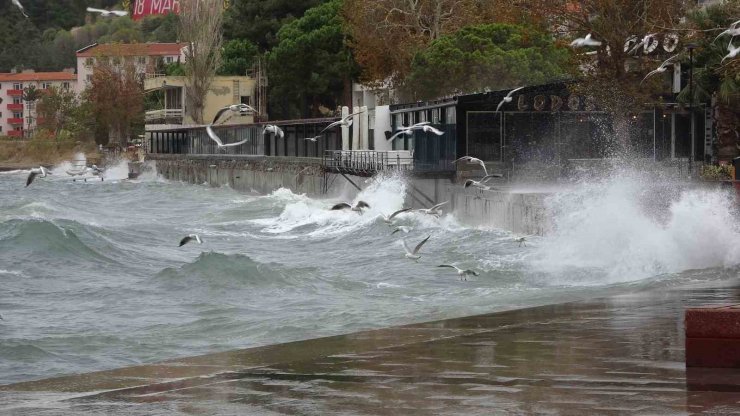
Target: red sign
<point x="143" y="8"/>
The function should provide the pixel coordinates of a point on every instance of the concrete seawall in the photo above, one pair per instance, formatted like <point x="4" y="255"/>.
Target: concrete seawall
<point x="517" y="212"/>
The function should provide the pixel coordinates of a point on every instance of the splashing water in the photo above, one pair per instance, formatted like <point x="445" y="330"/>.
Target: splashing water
<point x="626" y="228"/>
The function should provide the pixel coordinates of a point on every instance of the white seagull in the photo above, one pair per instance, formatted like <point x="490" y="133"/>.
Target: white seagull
<point x="273" y="129"/>
<point x="35" y="172"/>
<point x="389" y="219"/>
<point x="312" y="139"/>
<point x="18" y="4"/>
<point x="433" y="210"/>
<point x="424" y="126"/>
<point x="212" y="134"/>
<point x="509" y="98"/>
<point x="733" y="30"/>
<point x="587" y="41"/>
<point x="189" y="238"/>
<point x="475" y="160"/>
<point x="414" y="254"/>
<point x="236" y="108"/>
<point x="733" y="52"/>
<point x="460" y="272"/>
<point x="359" y="206"/>
<point x="481" y="183"/>
<point x="662" y="68"/>
<point x="643" y="42"/>
<point x="107" y="13"/>
<point x="344" y="122"/>
<point x="403" y="229"/>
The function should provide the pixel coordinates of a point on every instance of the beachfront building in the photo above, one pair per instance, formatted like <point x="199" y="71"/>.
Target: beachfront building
<point x="169" y="93"/>
<point x="148" y="58"/>
<point x="18" y="117"/>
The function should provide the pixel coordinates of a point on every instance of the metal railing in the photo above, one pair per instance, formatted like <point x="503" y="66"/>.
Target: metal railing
<point x="365" y="161"/>
<point x="164" y="114"/>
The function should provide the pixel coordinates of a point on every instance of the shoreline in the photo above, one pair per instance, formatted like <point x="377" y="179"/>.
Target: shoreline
<point x="622" y="353"/>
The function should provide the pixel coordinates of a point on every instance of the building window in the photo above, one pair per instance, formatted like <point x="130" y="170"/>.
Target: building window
<point x="17" y="86"/>
<point x="45" y="85"/>
<point x="17" y="100"/>
<point x="89" y="61"/>
<point x="246" y="99"/>
<point x="17" y="115"/>
<point x="451" y="117"/>
<point x="142" y="60"/>
<point x="1" y="129"/>
<point x="18" y="128"/>
<point x="30" y="105"/>
<point x="89" y="77"/>
<point x="65" y="85"/>
<point x="169" y="59"/>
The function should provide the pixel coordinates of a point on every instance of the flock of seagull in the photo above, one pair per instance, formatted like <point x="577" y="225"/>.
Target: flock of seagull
<point x="42" y="172"/>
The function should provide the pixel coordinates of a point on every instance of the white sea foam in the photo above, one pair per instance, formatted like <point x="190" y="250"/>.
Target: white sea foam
<point x="622" y="229"/>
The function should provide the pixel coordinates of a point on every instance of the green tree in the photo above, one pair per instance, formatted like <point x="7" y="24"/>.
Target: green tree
<point x="59" y="111"/>
<point x="311" y="65"/>
<point x="238" y="56"/>
<point x="260" y="20"/>
<point x="716" y="82"/>
<point x="489" y="56"/>
<point x="30" y="96"/>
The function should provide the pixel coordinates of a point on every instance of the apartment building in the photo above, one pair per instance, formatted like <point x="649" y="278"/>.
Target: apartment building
<point x="18" y="117"/>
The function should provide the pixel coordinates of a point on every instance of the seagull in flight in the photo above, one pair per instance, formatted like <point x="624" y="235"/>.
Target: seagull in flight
<point x="509" y="98"/>
<point x="424" y="126"/>
<point x="475" y="160"/>
<point x="18" y="4"/>
<point x="662" y="68"/>
<point x="522" y="241"/>
<point x="189" y="238"/>
<point x="644" y="42"/>
<point x="344" y="122"/>
<point x="105" y="13"/>
<point x="389" y="219"/>
<point x="481" y="183"/>
<point x="236" y="108"/>
<point x="312" y="139"/>
<point x="733" y="52"/>
<point x="414" y="254"/>
<point x="587" y="41"/>
<point x="402" y="229"/>
<point x="433" y="210"/>
<point x="343" y="205"/>
<point x="212" y="134"/>
<point x="733" y="30"/>
<point x="460" y="272"/>
<point x="273" y="129"/>
<point x="35" y="172"/>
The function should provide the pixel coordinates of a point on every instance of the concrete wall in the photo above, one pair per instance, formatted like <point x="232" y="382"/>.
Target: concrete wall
<point x="516" y="212"/>
<point x="522" y="213"/>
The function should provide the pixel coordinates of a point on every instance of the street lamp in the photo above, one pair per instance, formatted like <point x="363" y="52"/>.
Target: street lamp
<point x="691" y="47"/>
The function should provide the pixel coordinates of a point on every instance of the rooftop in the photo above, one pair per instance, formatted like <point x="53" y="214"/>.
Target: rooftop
<point x="131" y="49"/>
<point x="37" y="76"/>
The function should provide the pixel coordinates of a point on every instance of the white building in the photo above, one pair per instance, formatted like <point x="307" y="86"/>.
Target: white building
<point x="17" y="116"/>
<point x="148" y="58"/>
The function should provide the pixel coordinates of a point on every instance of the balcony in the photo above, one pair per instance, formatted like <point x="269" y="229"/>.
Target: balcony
<point x="16" y="120"/>
<point x="168" y="116"/>
<point x="15" y="93"/>
<point x="15" y="107"/>
<point x="15" y="133"/>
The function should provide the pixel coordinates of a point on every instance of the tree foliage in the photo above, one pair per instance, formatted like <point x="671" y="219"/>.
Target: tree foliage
<point x="117" y="99"/>
<point x="200" y="28"/>
<point x="311" y="65"/>
<point x="387" y="34"/>
<point x="260" y="20"/>
<point x="59" y="110"/>
<point x="489" y="56"/>
<point x="238" y="57"/>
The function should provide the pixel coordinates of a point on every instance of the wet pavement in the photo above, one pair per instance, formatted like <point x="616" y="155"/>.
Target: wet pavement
<point x="617" y="355"/>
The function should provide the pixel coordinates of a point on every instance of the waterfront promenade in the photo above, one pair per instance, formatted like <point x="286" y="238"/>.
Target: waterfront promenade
<point x="616" y="355"/>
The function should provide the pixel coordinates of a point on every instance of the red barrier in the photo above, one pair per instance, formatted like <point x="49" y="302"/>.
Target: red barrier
<point x="713" y="337"/>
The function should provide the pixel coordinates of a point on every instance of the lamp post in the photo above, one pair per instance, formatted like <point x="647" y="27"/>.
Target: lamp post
<point x="691" y="47"/>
